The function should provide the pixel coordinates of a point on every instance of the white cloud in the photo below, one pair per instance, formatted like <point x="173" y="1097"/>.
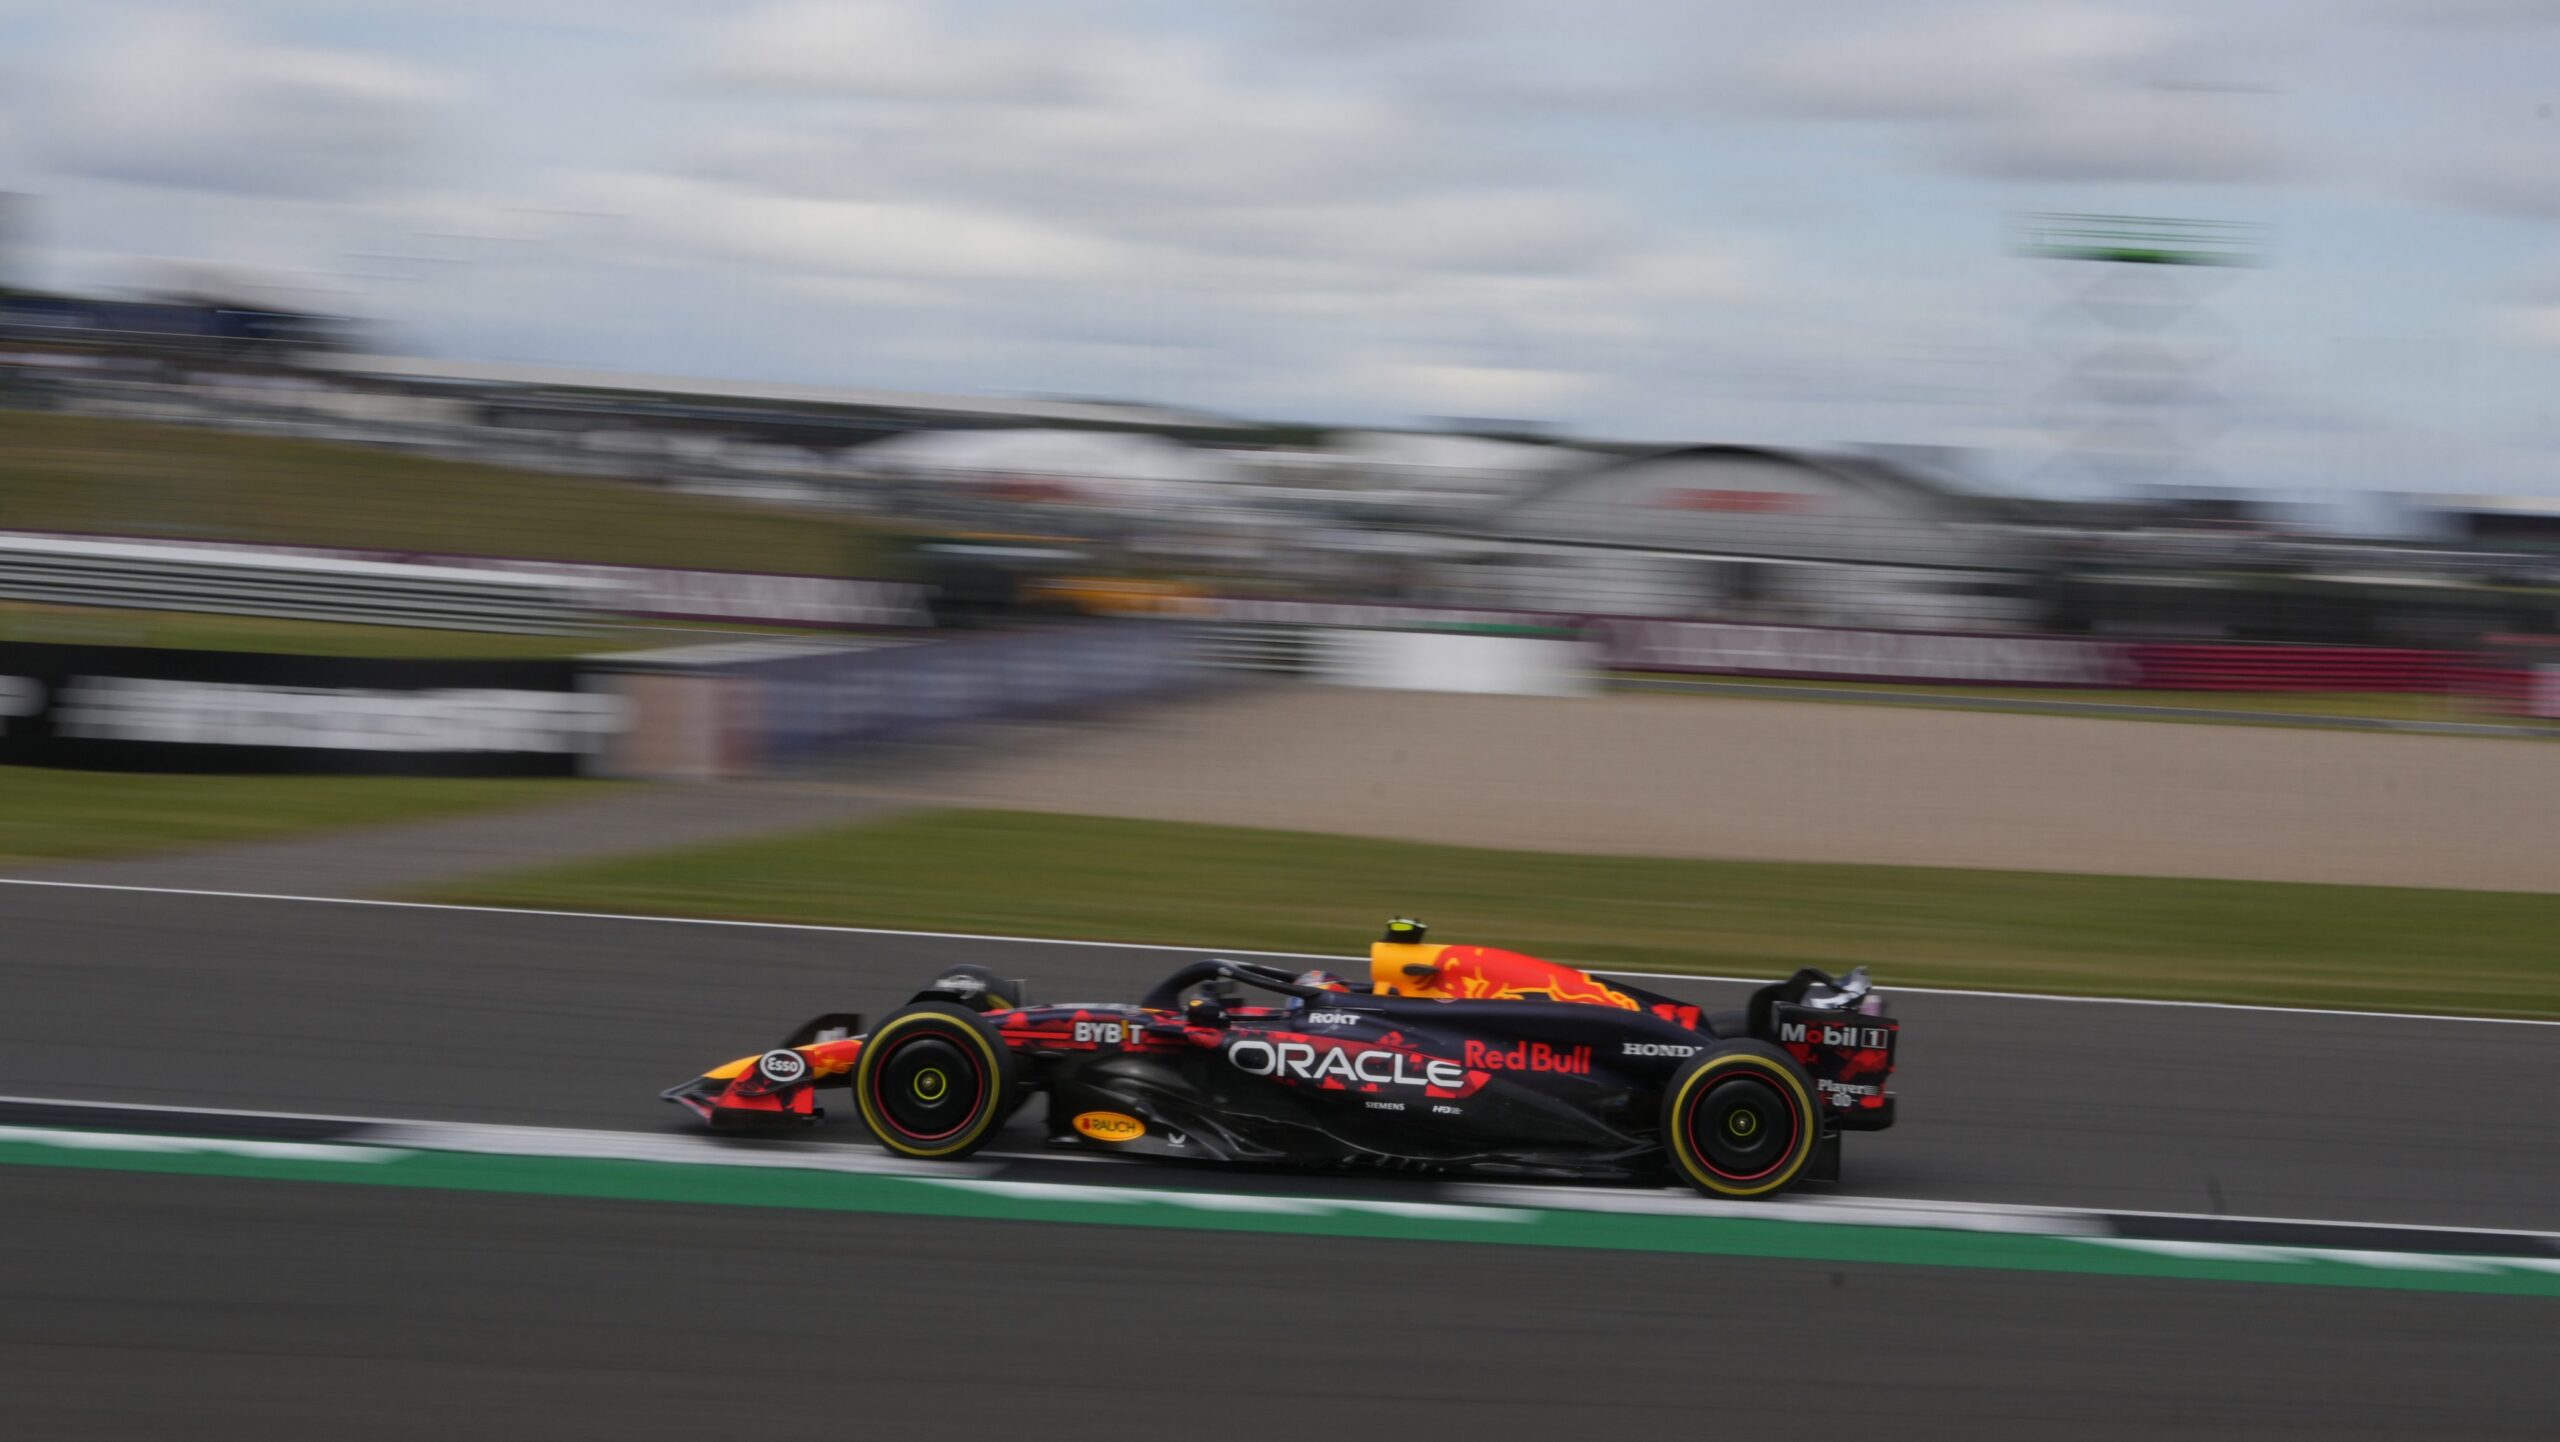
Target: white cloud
<point x="1977" y="62"/>
<point x="888" y="237"/>
<point x="2131" y="135"/>
<point x="1078" y="113"/>
<point x="885" y="48"/>
<point x="2476" y="13"/>
<point x="2513" y="172"/>
<point x="1717" y="218"/>
<point x="2532" y="325"/>
<point x="170" y="98"/>
<point x="1458" y="230"/>
<point x="2061" y="92"/>
<point x="1438" y="388"/>
<point x="1125" y="192"/>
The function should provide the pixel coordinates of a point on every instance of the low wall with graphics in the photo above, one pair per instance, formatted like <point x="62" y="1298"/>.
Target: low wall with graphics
<point x="690" y="713"/>
<point x="1834" y="654"/>
<point x="2258" y="666"/>
<point x="1827" y="653"/>
<point x="2540" y="692"/>
<point x="138" y="708"/>
<point x="1288" y="636"/>
<point x="1446" y="661"/>
<point x="703" y="712"/>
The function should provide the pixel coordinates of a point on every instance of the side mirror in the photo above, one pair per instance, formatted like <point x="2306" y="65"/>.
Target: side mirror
<point x="1204" y="1011"/>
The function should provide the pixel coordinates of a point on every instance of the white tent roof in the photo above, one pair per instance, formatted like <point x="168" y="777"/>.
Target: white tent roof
<point x="1412" y="458"/>
<point x="1417" y="448"/>
<point x="1050" y="454"/>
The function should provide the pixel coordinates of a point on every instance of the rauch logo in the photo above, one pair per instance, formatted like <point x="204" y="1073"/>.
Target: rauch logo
<point x="1110" y="1126"/>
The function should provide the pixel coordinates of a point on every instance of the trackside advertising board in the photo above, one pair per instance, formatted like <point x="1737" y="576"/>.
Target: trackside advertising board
<point x="139" y="708"/>
<point x="1844" y="654"/>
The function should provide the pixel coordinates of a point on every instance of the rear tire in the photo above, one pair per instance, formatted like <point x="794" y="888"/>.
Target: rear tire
<point x="934" y="1081"/>
<point x="1739" y="1121"/>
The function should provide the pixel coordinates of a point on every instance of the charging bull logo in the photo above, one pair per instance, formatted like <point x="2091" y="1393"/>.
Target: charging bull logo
<point x="1482" y="972"/>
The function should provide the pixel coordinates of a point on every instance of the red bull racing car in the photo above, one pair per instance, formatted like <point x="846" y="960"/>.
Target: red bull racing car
<point x="1455" y="1058"/>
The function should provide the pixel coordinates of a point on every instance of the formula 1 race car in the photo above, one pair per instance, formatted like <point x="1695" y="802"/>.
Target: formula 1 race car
<point x="1456" y="1058"/>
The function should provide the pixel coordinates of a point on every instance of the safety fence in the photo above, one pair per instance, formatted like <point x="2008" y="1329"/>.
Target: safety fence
<point x="755" y="598"/>
<point x="244" y="582"/>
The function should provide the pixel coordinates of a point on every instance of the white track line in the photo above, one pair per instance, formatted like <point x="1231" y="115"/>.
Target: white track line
<point x="2262" y="1252"/>
<point x="494" y="1137"/>
<point x="701" y="1148"/>
<point x="2201" y="1251"/>
<point x="1530" y="1202"/>
<point x="2122" y="1000"/>
<point x="80" y="1141"/>
<point x="1207" y="950"/>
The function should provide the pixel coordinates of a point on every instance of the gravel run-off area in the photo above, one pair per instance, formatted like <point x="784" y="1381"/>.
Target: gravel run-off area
<point x="1769" y="780"/>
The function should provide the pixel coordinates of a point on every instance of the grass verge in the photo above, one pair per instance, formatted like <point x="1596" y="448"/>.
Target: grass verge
<point x="83" y="473"/>
<point x="2379" y="948"/>
<point x="69" y="815"/>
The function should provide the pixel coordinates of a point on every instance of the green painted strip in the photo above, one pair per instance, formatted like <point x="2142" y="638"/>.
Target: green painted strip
<point x="1297" y="1216"/>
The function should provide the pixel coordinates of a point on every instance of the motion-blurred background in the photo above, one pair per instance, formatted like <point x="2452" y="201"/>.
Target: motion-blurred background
<point x="2038" y="497"/>
<point x="847" y="393"/>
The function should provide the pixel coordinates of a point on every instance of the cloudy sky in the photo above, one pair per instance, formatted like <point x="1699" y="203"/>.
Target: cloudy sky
<point x="1680" y="219"/>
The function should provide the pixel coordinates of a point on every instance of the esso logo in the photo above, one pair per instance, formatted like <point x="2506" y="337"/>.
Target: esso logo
<point x="782" y="1067"/>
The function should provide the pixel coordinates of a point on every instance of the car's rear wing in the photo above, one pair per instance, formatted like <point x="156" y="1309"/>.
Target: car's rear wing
<point x="1839" y="1030"/>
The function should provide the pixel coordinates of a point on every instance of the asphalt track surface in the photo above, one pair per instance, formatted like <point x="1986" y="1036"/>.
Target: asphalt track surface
<point x="144" y="1305"/>
<point x="164" y="1306"/>
<point x="575" y="1021"/>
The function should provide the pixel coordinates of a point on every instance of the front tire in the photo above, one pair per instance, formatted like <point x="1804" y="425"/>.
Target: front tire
<point x="1739" y="1121"/>
<point x="934" y="1081"/>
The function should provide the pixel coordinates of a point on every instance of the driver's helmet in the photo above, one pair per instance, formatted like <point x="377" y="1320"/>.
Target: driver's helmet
<point x="1325" y="979"/>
